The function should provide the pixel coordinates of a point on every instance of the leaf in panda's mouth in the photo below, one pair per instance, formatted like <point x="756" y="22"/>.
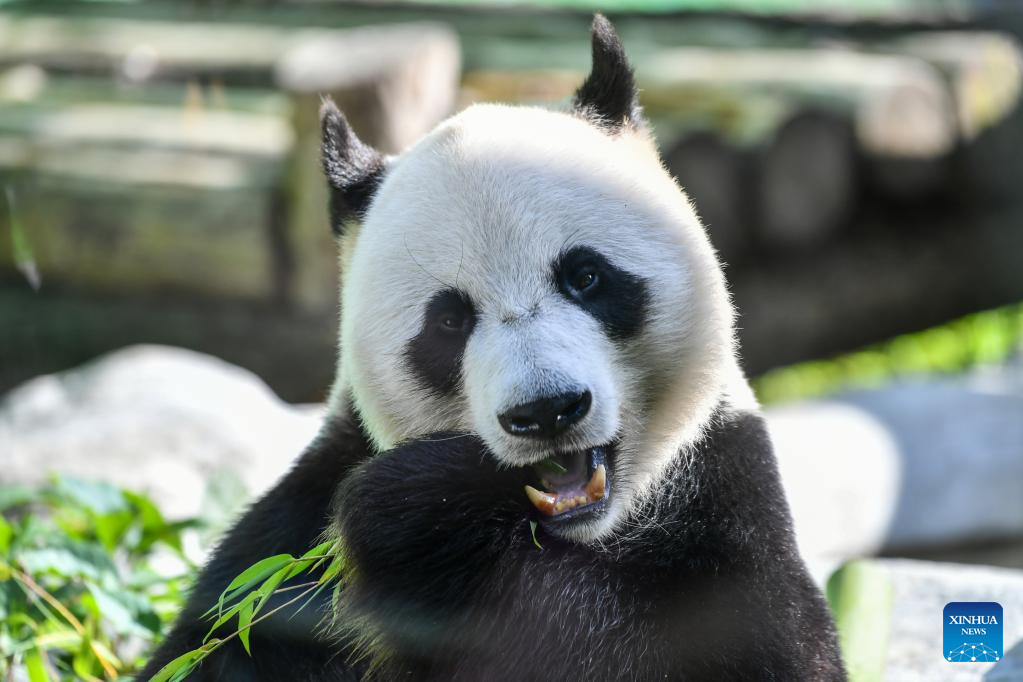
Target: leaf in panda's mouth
<point x="570" y="481"/>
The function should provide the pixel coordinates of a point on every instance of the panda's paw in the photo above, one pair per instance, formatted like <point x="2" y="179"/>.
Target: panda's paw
<point x="430" y="512"/>
<point x="441" y="476"/>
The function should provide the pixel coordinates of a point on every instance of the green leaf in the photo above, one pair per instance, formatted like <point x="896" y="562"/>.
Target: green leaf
<point x="179" y="668"/>
<point x="155" y="528"/>
<point x="68" y="640"/>
<point x="84" y="661"/>
<point x="68" y="558"/>
<point x="146" y="622"/>
<point x="323" y="549"/>
<point x="58" y="561"/>
<point x="256" y="573"/>
<point x="244" y="625"/>
<point x="36" y="667"/>
<point x="231" y="612"/>
<point x="267" y="589"/>
<point x="532" y="530"/>
<point x="111" y="608"/>
<point x="553" y="466"/>
<point x="300" y="566"/>
<point x="861" y="596"/>
<point x="111" y="528"/>
<point x="313" y="558"/>
<point x="15" y="496"/>
<point x="6" y="534"/>
<point x="334" y="569"/>
<point x="146" y="511"/>
<point x="97" y="496"/>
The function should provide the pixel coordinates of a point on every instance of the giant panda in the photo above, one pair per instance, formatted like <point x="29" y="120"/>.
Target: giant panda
<point x="541" y="455"/>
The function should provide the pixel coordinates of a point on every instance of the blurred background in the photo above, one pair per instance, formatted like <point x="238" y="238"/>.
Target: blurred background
<point x="858" y="163"/>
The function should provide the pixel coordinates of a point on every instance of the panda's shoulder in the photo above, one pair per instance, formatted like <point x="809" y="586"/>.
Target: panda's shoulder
<point x="728" y="480"/>
<point x="733" y="436"/>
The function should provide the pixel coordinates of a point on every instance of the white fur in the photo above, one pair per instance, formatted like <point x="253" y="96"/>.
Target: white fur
<point x="485" y="203"/>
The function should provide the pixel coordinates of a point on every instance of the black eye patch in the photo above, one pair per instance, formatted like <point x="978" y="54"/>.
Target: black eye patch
<point x="617" y="299"/>
<point x="435" y="354"/>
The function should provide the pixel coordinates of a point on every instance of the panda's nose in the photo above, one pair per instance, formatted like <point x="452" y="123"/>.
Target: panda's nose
<point x="546" y="417"/>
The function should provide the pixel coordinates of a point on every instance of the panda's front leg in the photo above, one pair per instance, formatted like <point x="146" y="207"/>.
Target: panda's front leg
<point x="423" y="527"/>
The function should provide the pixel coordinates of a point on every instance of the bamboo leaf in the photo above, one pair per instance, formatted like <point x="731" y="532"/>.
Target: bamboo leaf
<point x="179" y="667"/>
<point x="266" y="590"/>
<point x="334" y="569"/>
<point x="245" y="625"/>
<point x="299" y="567"/>
<point x="231" y="613"/>
<point x="553" y="466"/>
<point x="320" y="550"/>
<point x="36" y="667"/>
<point x="252" y="575"/>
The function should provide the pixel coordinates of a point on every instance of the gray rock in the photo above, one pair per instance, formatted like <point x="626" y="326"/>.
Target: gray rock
<point x="921" y="591"/>
<point x="909" y="466"/>
<point x="162" y="420"/>
<point x="841" y="472"/>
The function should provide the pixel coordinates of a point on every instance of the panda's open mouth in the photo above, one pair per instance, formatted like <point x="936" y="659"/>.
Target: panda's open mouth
<point x="572" y="484"/>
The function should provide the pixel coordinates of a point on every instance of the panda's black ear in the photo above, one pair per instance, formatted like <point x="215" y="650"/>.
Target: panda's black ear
<point x="353" y="168"/>
<point x="608" y="96"/>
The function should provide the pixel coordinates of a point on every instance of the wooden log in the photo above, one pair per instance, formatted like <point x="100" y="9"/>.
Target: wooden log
<point x="713" y="174"/>
<point x="152" y="199"/>
<point x="145" y="50"/>
<point x="984" y="70"/>
<point x="807" y="180"/>
<point x="409" y="74"/>
<point x="985" y="75"/>
<point x="900" y="105"/>
<point x="207" y="148"/>
<point x="918" y="269"/>
<point x="905" y="181"/>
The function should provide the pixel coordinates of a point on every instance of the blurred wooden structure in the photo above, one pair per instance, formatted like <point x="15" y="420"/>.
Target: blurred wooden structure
<point x="159" y="166"/>
<point x="195" y="168"/>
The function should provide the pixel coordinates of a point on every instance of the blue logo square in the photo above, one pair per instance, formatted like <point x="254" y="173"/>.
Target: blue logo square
<point x="973" y="632"/>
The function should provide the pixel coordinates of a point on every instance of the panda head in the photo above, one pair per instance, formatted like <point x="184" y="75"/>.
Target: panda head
<point x="537" y="278"/>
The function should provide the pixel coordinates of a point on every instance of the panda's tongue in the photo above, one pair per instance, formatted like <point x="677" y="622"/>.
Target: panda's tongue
<point x="568" y="482"/>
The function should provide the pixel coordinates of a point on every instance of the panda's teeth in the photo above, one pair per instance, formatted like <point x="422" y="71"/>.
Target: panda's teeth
<point x="551" y="504"/>
<point x="597" y="484"/>
<point x="545" y="502"/>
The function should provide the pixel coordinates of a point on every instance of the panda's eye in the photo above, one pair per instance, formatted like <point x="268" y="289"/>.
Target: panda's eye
<point x="615" y="297"/>
<point x="452" y="322"/>
<point x="585" y="280"/>
<point x="435" y="354"/>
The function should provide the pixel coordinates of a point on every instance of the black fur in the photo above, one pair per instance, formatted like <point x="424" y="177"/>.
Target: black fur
<point x="354" y="170"/>
<point x="435" y="354"/>
<point x="617" y="299"/>
<point x="446" y="577"/>
<point x="708" y="587"/>
<point x="608" y="97"/>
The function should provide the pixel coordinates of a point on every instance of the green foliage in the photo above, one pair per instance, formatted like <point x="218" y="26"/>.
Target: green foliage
<point x="246" y="598"/>
<point x="861" y="595"/>
<point x="85" y="592"/>
<point x="532" y="532"/>
<point x="981" y="338"/>
<point x="21" y="248"/>
<point x="81" y="596"/>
